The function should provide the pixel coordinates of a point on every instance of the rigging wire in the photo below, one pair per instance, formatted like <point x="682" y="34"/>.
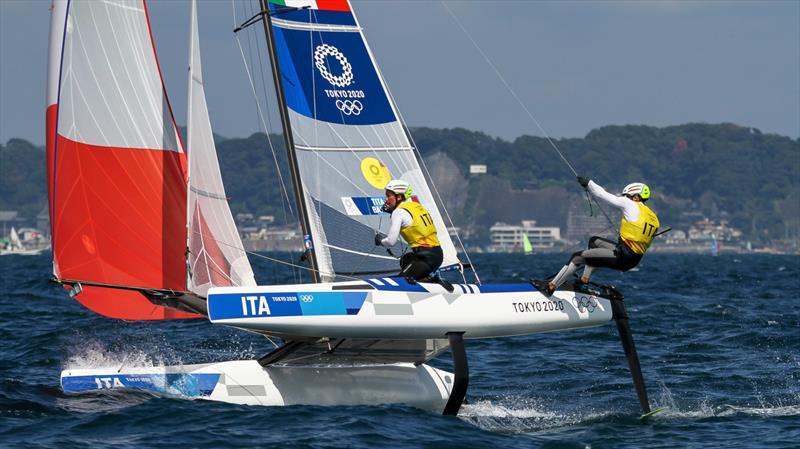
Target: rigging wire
<point x="507" y="86"/>
<point x="398" y="137"/>
<point x="258" y="108"/>
<point x="282" y="262"/>
<point x="520" y="102"/>
<point x="317" y="153"/>
<point x="266" y="125"/>
<point x="590" y="198"/>
<point x="344" y="142"/>
<point x="402" y="162"/>
<point x="441" y="201"/>
<point x="424" y="166"/>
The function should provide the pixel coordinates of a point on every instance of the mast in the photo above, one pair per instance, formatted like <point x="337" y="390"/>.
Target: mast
<point x="289" y="141"/>
<point x="189" y="154"/>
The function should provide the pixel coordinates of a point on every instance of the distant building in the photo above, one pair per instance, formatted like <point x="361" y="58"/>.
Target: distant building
<point x="705" y="230"/>
<point x="477" y="169"/>
<point x="250" y="231"/>
<point x="245" y="218"/>
<point x="690" y="216"/>
<point x="581" y="226"/>
<point x="461" y="233"/>
<point x="508" y="238"/>
<point x="453" y="231"/>
<point x="288" y="238"/>
<point x="676" y="237"/>
<point x="266" y="220"/>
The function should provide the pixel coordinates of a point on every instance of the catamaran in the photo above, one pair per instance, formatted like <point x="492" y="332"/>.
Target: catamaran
<point x="142" y="229"/>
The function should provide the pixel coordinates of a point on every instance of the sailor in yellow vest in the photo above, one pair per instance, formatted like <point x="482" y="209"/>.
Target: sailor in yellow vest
<point x="637" y="230"/>
<point x="413" y="222"/>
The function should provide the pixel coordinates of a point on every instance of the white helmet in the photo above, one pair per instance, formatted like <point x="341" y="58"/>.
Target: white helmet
<point x="399" y="187"/>
<point x="637" y="188"/>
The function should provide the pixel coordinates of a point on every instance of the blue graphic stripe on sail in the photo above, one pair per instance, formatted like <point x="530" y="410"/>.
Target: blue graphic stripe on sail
<point x="292" y="89"/>
<point x="363" y="205"/>
<point x="329" y="76"/>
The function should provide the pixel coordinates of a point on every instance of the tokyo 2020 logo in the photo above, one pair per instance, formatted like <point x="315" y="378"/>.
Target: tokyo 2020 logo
<point x="320" y="56"/>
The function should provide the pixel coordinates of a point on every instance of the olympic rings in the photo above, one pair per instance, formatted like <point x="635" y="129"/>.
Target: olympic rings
<point x="350" y="107"/>
<point x="587" y="304"/>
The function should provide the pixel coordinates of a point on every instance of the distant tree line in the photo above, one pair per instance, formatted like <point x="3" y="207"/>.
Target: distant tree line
<point x="721" y="169"/>
<point x="713" y="169"/>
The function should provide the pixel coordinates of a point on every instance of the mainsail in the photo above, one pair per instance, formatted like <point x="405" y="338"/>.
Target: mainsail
<point x="216" y="255"/>
<point x="527" y="248"/>
<point x="14" y="239"/>
<point x="116" y="167"/>
<point x="347" y="135"/>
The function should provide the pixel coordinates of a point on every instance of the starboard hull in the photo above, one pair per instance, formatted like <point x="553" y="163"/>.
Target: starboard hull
<point x="393" y="308"/>
<point x="248" y="383"/>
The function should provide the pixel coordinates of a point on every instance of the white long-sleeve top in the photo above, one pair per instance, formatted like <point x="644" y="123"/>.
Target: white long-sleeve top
<point x="630" y="210"/>
<point x="401" y="218"/>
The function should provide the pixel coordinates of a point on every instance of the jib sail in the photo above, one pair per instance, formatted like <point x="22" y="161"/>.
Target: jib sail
<point x="216" y="255"/>
<point x="116" y="166"/>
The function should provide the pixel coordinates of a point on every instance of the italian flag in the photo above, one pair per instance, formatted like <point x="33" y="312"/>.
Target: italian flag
<point x="324" y="5"/>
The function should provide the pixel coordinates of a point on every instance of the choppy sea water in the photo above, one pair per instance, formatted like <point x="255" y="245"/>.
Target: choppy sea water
<point x="718" y="339"/>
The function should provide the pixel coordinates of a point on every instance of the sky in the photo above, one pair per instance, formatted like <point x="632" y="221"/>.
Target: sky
<point x="573" y="65"/>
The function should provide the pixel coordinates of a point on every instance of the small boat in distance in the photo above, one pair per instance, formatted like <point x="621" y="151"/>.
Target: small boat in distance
<point x="527" y="248"/>
<point x="15" y="245"/>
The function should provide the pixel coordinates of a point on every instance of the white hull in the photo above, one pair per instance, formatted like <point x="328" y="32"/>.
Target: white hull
<point x="391" y="308"/>
<point x="248" y="383"/>
<point x="22" y="252"/>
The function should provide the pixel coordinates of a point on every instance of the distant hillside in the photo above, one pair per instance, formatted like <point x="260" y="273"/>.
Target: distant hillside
<point x="23" y="183"/>
<point x="721" y="171"/>
<point x="752" y="177"/>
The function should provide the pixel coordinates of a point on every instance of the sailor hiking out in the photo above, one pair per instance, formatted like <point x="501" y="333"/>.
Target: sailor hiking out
<point x="636" y="232"/>
<point x="412" y="221"/>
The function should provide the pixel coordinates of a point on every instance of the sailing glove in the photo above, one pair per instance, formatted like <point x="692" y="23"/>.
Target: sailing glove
<point x="584" y="181"/>
<point x="378" y="238"/>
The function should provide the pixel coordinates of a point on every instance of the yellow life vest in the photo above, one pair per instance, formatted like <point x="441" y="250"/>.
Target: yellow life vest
<point x="422" y="232"/>
<point x="639" y="234"/>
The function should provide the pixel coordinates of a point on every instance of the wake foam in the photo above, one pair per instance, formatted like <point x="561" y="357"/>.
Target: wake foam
<point x="96" y="355"/>
<point x="522" y="415"/>
<point x="705" y="409"/>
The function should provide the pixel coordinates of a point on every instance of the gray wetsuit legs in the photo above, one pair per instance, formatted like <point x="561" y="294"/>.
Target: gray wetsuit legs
<point x="601" y="253"/>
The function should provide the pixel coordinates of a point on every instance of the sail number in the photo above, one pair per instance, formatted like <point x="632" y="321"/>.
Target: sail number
<point x="258" y="305"/>
<point x="538" y="306"/>
<point x="426" y="219"/>
<point x="108" y="382"/>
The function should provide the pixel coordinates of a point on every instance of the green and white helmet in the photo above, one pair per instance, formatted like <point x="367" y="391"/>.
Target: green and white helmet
<point x="637" y="188"/>
<point x="399" y="187"/>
